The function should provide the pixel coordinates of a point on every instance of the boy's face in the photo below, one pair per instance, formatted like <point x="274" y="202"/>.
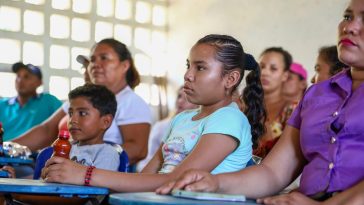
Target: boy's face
<point x="85" y="123"/>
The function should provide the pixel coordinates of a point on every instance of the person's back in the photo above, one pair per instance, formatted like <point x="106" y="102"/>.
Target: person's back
<point x="28" y="109"/>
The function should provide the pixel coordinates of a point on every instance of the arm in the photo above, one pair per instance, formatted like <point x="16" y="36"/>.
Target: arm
<point x="42" y="135"/>
<point x="155" y="163"/>
<point x="135" y="140"/>
<point x="278" y="169"/>
<point x="351" y="196"/>
<point x="208" y="153"/>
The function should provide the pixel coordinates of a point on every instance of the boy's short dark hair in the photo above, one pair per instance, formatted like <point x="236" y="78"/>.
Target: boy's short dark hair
<point x="99" y="96"/>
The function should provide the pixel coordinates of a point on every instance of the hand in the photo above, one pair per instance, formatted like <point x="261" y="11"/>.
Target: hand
<point x="61" y="170"/>
<point x="193" y="180"/>
<point x="10" y="170"/>
<point x="292" y="198"/>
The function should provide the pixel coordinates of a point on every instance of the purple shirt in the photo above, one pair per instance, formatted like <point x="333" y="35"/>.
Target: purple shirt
<point x="330" y="118"/>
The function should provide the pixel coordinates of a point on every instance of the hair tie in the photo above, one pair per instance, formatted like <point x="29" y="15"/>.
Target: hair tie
<point x="250" y="64"/>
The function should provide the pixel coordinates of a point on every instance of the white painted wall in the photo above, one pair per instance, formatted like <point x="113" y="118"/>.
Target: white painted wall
<point x="299" y="26"/>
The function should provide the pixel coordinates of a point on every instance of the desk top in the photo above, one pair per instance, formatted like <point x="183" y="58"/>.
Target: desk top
<point x="150" y="198"/>
<point x="15" y="160"/>
<point x="29" y="186"/>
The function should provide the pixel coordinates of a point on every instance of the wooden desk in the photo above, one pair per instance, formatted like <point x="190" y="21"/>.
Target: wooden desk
<point x="150" y="198"/>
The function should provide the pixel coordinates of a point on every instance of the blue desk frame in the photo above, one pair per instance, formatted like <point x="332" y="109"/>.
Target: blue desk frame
<point x="150" y="198"/>
<point x="15" y="161"/>
<point x="9" y="186"/>
<point x="29" y="186"/>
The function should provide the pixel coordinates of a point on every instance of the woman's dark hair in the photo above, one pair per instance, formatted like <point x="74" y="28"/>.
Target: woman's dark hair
<point x="231" y="54"/>
<point x="99" y="96"/>
<point x="132" y="75"/>
<point x="287" y="57"/>
<point x="330" y="55"/>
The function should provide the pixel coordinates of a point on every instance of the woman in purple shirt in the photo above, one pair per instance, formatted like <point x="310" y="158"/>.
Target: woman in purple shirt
<point x="324" y="139"/>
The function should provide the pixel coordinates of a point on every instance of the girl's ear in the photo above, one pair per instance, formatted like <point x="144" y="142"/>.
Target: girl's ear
<point x="232" y="78"/>
<point x="106" y="121"/>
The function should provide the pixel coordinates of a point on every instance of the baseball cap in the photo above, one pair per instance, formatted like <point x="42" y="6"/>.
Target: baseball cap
<point x="83" y="60"/>
<point x="299" y="70"/>
<point x="35" y="70"/>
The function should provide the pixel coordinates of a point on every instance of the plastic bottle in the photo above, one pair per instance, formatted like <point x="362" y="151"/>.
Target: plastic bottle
<point x="62" y="147"/>
<point x="1" y="140"/>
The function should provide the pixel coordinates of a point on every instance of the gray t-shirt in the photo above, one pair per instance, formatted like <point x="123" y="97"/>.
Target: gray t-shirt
<point x="102" y="156"/>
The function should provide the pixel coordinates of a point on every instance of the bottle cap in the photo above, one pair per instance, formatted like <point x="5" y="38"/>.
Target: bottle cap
<point x="64" y="134"/>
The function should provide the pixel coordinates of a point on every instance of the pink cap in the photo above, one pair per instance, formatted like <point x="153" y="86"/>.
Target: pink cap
<point x="299" y="70"/>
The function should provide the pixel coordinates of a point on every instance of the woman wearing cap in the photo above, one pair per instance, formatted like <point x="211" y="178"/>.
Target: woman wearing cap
<point x="296" y="83"/>
<point x="111" y="65"/>
<point x="324" y="139"/>
<point x="84" y="61"/>
<point x="274" y="63"/>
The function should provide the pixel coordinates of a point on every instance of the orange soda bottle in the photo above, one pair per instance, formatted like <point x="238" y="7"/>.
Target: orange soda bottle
<point x="62" y="147"/>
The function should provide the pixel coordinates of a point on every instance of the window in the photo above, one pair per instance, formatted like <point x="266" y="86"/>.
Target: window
<point x="51" y="33"/>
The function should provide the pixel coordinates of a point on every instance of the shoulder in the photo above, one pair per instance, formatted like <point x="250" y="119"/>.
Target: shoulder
<point x="49" y="97"/>
<point x="230" y="111"/>
<point x="4" y="101"/>
<point x="185" y="114"/>
<point x="127" y="97"/>
<point x="8" y="101"/>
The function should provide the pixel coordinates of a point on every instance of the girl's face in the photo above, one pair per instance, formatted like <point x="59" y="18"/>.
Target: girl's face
<point x="85" y="123"/>
<point x="105" y="68"/>
<point x="204" y="81"/>
<point x="322" y="69"/>
<point x="272" y="71"/>
<point x="351" y="35"/>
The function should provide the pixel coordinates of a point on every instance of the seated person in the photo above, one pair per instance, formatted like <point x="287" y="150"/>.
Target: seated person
<point x="84" y="61"/>
<point x="92" y="109"/>
<point x="327" y="64"/>
<point x="275" y="63"/>
<point x="131" y="124"/>
<point x="324" y="139"/>
<point x="217" y="137"/>
<point x="26" y="110"/>
<point x="296" y="83"/>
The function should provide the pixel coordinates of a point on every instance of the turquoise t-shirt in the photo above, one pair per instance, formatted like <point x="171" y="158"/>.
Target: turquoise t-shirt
<point x="16" y="120"/>
<point x="184" y="133"/>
